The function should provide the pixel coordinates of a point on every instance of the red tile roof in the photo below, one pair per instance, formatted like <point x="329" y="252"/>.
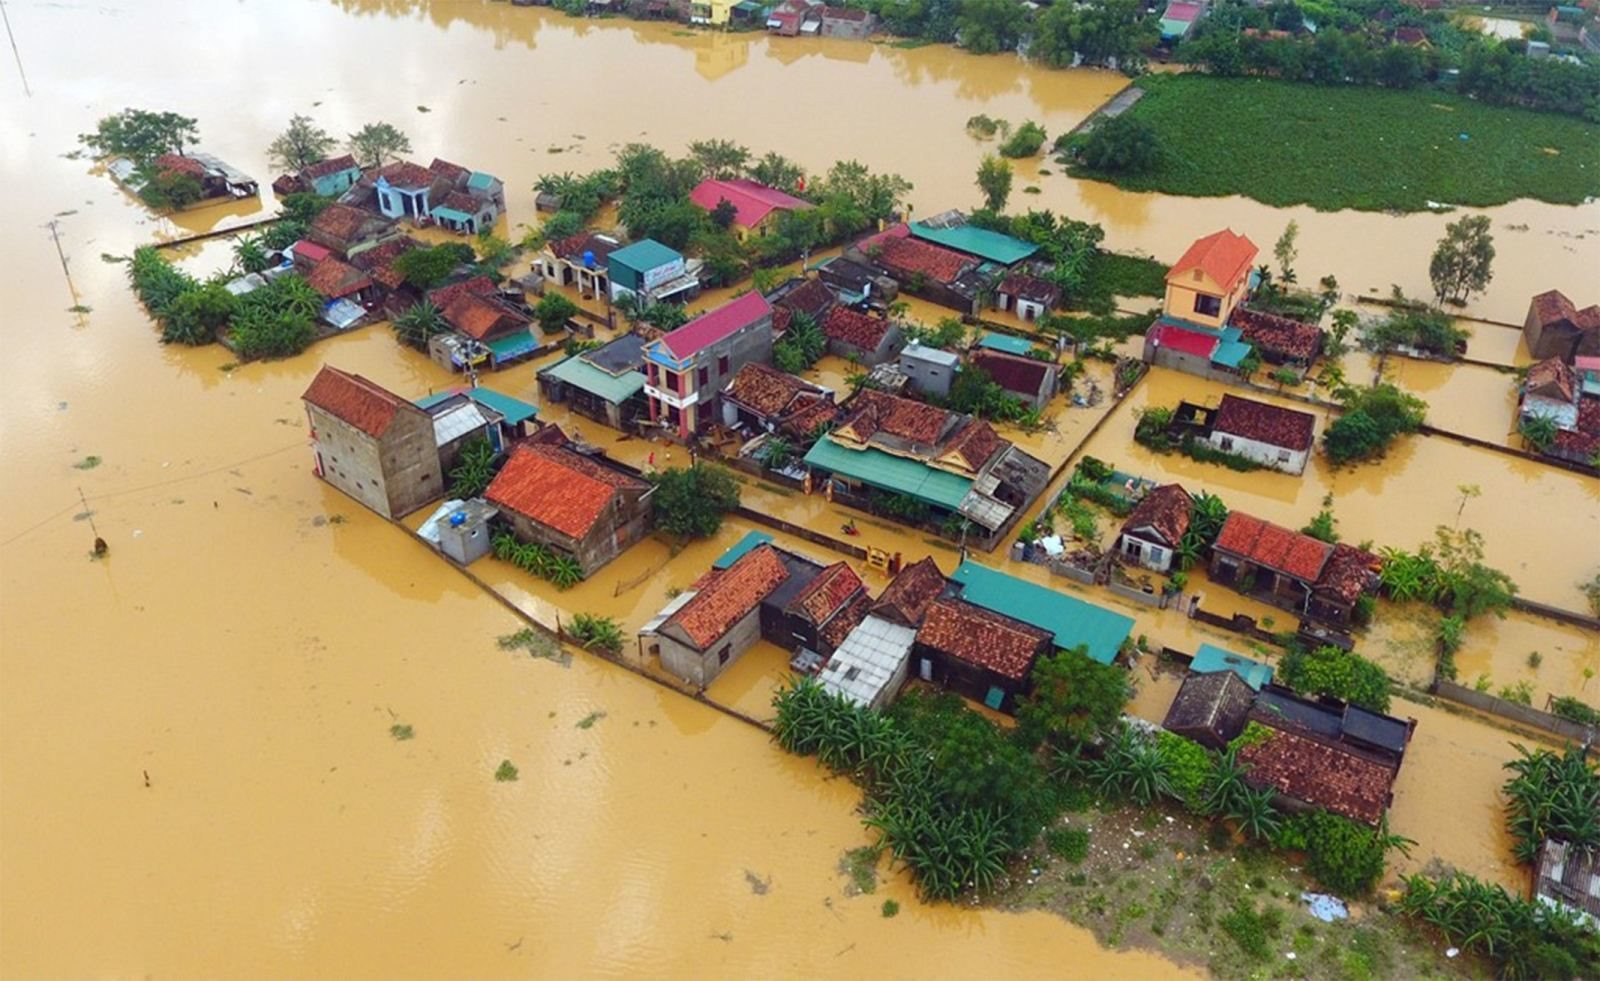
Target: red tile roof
<point x="1264" y="423"/>
<point x="173" y="163"/>
<point x="1349" y="573"/>
<point x="1223" y="256"/>
<point x="905" y="600"/>
<point x="780" y="319"/>
<point x="1274" y="547"/>
<point x="332" y="165"/>
<point x="974" y="445"/>
<point x="406" y="175"/>
<point x="1013" y="372"/>
<point x="574" y="246"/>
<point x="311" y="251"/>
<point x="1193" y="342"/>
<point x="824" y="595"/>
<point x="459" y="201"/>
<point x="334" y="278"/>
<point x="1026" y="287"/>
<point x="751" y="201"/>
<point x="982" y="637"/>
<point x="847" y="619"/>
<point x="445" y="295"/>
<point x="479" y="317"/>
<point x="1327" y="775"/>
<point x="1553" y="378"/>
<point x="843" y="13"/>
<point x="1553" y="306"/>
<point x="764" y="390"/>
<point x="811" y="297"/>
<point x="717" y="325"/>
<point x="1166" y="510"/>
<point x="343" y="222"/>
<point x="906" y="257"/>
<point x="807" y="413"/>
<point x="852" y="327"/>
<point x="365" y="405"/>
<point x="1280" y="336"/>
<point x="557" y="488"/>
<point x="378" y="261"/>
<point x="454" y="173"/>
<point x="871" y="411"/>
<point x="730" y="597"/>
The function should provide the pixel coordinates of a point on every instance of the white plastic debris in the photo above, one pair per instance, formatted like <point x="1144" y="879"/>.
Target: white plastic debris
<point x="1325" y="907"/>
<point x="1452" y="951"/>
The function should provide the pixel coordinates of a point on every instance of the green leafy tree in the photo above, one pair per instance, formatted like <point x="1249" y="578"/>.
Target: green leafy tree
<point x="994" y="180"/>
<point x="300" y="145"/>
<point x="250" y="255"/>
<point x="1374" y="417"/>
<point x="987" y="28"/>
<point x="597" y="633"/>
<point x="1074" y="699"/>
<point x="474" y="470"/>
<point x="719" y="159"/>
<point x="724" y="213"/>
<point x="1122" y="145"/>
<point x="1462" y="264"/>
<point x="168" y="189"/>
<point x="553" y="311"/>
<point x="776" y="170"/>
<point x="1341" y="674"/>
<point x="141" y="136"/>
<point x="375" y="144"/>
<point x="1286" y="251"/>
<point x="802" y="345"/>
<point x="428" y="266"/>
<point x="1025" y="141"/>
<point x="1538" y="431"/>
<point x="196" y="315"/>
<point x="419" y="322"/>
<point x="690" y="502"/>
<point x="1099" y="32"/>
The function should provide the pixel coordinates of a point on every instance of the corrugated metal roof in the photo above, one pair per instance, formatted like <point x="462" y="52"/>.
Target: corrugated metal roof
<point x="1006" y="343"/>
<point x="750" y="540"/>
<point x="457" y="421"/>
<point x="675" y="604"/>
<point x="1209" y="659"/>
<point x="577" y="372"/>
<point x="514" y="410"/>
<point x="871" y="655"/>
<point x="1070" y="619"/>
<point x="891" y="473"/>
<point x="981" y="242"/>
<point x="644" y="255"/>
<point x="933" y="355"/>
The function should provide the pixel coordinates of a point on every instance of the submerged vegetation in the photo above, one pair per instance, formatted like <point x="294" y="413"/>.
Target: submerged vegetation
<point x="273" y="321"/>
<point x="1398" y="149"/>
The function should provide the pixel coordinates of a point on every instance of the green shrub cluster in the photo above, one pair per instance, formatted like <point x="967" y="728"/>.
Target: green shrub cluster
<point x="561" y="570"/>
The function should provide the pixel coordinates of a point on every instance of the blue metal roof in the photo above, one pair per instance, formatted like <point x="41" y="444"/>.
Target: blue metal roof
<point x="750" y="540"/>
<point x="515" y="410"/>
<point x="1209" y="660"/>
<point x="644" y="255"/>
<point x="1071" y="620"/>
<point x="1006" y="343"/>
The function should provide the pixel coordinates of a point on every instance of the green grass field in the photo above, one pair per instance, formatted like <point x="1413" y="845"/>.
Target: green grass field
<point x="1373" y="149"/>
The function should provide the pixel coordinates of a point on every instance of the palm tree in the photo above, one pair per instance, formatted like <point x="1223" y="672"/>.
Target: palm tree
<point x="1227" y="784"/>
<point x="1254" y="813"/>
<point x="250" y="255"/>
<point x="417" y="324"/>
<point x="1539" y="432"/>
<point x="564" y="572"/>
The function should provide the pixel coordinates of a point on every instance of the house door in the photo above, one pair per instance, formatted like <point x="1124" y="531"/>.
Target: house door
<point x="925" y="669"/>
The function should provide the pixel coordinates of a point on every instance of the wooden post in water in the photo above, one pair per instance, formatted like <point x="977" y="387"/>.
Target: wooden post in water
<point x="100" y="546"/>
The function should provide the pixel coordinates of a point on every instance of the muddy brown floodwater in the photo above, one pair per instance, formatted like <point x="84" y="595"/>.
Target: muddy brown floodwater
<point x="198" y="773"/>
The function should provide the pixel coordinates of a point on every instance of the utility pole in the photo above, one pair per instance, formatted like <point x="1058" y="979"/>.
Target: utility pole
<point x="100" y="546"/>
<point x="14" y="52"/>
<point x="55" y="236"/>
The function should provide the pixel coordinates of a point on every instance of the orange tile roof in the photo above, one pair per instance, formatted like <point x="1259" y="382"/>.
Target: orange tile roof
<point x="1265" y="423"/>
<point x="906" y="418"/>
<point x="908" y="256"/>
<point x="332" y="165"/>
<point x="343" y="222"/>
<point x="173" y="163"/>
<point x="378" y="261"/>
<point x="406" y="175"/>
<point x="852" y="327"/>
<point x="479" y="317"/>
<point x="982" y="637"/>
<point x="445" y="295"/>
<point x="363" y="404"/>
<point x="847" y="619"/>
<point x="1274" y="547"/>
<point x="824" y="595"/>
<point x="551" y="487"/>
<point x="1556" y="378"/>
<point x="763" y="389"/>
<point x="1223" y="256"/>
<point x="730" y="597"/>
<point x="1165" y="509"/>
<point x="974" y="445"/>
<point x="334" y="278"/>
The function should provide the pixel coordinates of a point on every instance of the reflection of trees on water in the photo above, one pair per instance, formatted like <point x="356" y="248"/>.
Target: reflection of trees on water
<point x="976" y="76"/>
<point x="507" y="25"/>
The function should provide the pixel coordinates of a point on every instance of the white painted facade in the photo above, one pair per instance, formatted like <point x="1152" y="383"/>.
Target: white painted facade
<point x="1276" y="457"/>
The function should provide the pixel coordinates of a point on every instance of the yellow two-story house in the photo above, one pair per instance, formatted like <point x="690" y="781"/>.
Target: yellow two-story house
<point x="1211" y="278"/>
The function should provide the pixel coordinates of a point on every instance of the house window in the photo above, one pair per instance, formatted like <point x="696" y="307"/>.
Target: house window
<point x="1132" y="548"/>
<point x="724" y="654"/>
<point x="703" y="377"/>
<point x="1199" y="276"/>
<point x="1283" y="456"/>
<point x="722" y="365"/>
<point x="1208" y="305"/>
<point x="1226" y="443"/>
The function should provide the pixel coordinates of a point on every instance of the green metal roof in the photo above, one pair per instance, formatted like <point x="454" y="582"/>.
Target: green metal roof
<point x="895" y="474"/>
<point x="644" y="254"/>
<point x="513" y="345"/>
<point x="515" y="410"/>
<point x="479" y="181"/>
<point x="1006" y="343"/>
<point x="981" y="242"/>
<point x="750" y="540"/>
<point x="1231" y="348"/>
<point x="581" y="374"/>
<point x="1210" y="660"/>
<point x="1070" y="619"/>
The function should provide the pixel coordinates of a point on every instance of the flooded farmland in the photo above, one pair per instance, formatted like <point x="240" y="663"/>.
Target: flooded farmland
<point x="195" y="751"/>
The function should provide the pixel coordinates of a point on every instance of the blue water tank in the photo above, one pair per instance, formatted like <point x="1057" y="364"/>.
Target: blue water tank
<point x="588" y="260"/>
<point x="458" y="519"/>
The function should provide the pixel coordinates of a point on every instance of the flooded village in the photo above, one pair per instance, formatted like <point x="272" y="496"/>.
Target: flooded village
<point x="666" y="517"/>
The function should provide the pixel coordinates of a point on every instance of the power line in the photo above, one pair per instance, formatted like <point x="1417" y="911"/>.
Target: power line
<point x="14" y="52"/>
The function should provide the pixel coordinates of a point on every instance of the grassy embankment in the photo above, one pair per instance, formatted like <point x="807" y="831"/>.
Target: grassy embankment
<point x="1372" y="149"/>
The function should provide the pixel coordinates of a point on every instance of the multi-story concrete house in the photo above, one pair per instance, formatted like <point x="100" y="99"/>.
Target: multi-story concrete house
<point x="372" y="444"/>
